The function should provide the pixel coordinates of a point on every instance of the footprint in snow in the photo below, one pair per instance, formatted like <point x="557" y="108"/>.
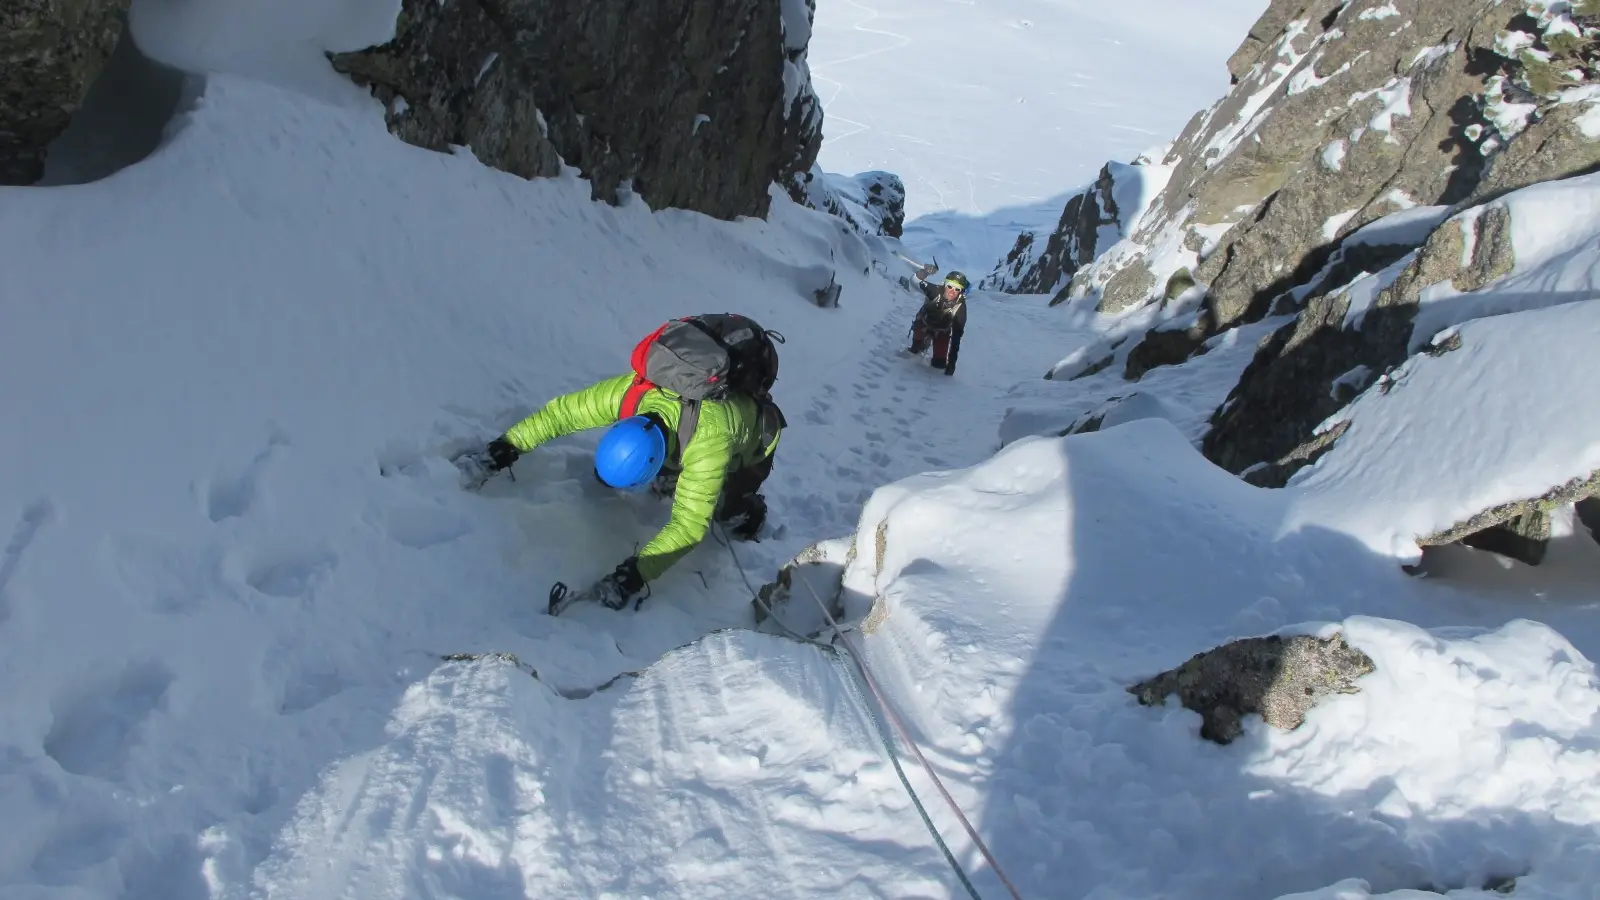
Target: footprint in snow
<point x="96" y="728"/>
<point x="33" y="518"/>
<point x="291" y="574"/>
<point x="308" y="688"/>
<point x="232" y="496"/>
<point x="420" y="527"/>
<point x="75" y="848"/>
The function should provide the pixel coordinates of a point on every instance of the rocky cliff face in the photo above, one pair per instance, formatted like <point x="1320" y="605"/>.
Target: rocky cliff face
<point x="1360" y="161"/>
<point x="695" y="104"/>
<point x="50" y="53"/>
<point x="1352" y="110"/>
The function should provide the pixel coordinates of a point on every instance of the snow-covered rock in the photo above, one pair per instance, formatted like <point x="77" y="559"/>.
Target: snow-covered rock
<point x="1531" y="248"/>
<point x="1275" y="677"/>
<point x="871" y="202"/>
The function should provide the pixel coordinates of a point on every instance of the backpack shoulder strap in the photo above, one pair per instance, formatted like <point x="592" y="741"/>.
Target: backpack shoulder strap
<point x="634" y="394"/>
<point x="770" y="421"/>
<point x="688" y="422"/>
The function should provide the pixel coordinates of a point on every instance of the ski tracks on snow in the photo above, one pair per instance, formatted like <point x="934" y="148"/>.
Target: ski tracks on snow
<point x="817" y="69"/>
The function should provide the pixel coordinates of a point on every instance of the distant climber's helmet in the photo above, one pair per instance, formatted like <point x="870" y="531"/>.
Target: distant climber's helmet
<point x="957" y="281"/>
<point x="631" y="453"/>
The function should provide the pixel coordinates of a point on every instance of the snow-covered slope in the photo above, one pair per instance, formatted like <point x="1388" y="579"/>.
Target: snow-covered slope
<point x="234" y="553"/>
<point x="234" y="559"/>
<point x="993" y="113"/>
<point x="1017" y="599"/>
<point x="210" y="592"/>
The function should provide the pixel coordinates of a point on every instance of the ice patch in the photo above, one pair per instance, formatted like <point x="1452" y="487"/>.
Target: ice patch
<point x="1306" y="79"/>
<point x="1427" y="56"/>
<point x="1587" y="121"/>
<point x="1396" y="100"/>
<point x="1399" y="199"/>
<point x="1330" y="228"/>
<point x="488" y="63"/>
<point x="1333" y="155"/>
<point x="1510" y="44"/>
<point x="1508" y="117"/>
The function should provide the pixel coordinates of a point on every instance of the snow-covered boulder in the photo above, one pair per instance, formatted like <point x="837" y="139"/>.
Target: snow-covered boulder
<point x="872" y="203"/>
<point x="1497" y="425"/>
<point x="1532" y="248"/>
<point x="1276" y="677"/>
<point x="50" y="53"/>
<point x="709" y="126"/>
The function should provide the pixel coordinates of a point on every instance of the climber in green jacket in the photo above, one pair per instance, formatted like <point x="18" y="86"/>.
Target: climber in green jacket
<point x="716" y="475"/>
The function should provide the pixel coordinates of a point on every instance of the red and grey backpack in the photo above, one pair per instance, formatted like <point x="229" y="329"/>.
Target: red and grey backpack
<point x="708" y="357"/>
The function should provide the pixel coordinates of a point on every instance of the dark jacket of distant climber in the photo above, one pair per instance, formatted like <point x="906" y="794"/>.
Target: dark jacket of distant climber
<point x="942" y="320"/>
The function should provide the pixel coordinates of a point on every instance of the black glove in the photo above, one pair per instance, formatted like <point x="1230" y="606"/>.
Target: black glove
<point x="750" y="523"/>
<point x="616" y="589"/>
<point x="502" y="453"/>
<point x="628" y="577"/>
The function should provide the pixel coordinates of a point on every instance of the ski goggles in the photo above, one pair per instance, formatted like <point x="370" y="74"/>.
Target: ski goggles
<point x="956" y="285"/>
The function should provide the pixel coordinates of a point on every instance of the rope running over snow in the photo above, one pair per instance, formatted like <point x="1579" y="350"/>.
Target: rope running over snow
<point x="883" y="733"/>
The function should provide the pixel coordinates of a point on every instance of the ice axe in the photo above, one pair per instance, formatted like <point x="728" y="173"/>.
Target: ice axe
<point x="931" y="267"/>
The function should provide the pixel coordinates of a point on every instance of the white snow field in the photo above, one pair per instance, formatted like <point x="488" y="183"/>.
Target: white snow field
<point x="994" y="112"/>
<point x="232" y="555"/>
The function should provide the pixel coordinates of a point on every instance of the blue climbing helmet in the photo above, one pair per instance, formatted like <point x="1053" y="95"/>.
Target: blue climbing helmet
<point x="631" y="453"/>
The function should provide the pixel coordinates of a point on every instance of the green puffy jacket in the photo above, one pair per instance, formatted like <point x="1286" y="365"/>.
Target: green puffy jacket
<point x="728" y="437"/>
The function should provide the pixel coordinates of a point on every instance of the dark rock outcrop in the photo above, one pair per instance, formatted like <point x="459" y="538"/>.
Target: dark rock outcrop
<point x="1588" y="513"/>
<point x="1092" y="222"/>
<point x="51" y="51"/>
<point x="1030" y="269"/>
<point x="1278" y="678"/>
<point x="695" y="104"/>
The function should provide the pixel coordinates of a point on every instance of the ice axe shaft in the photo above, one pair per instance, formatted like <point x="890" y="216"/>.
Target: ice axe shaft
<point x="916" y="264"/>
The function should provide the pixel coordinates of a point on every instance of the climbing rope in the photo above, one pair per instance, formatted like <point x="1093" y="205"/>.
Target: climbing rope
<point x="860" y="666"/>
